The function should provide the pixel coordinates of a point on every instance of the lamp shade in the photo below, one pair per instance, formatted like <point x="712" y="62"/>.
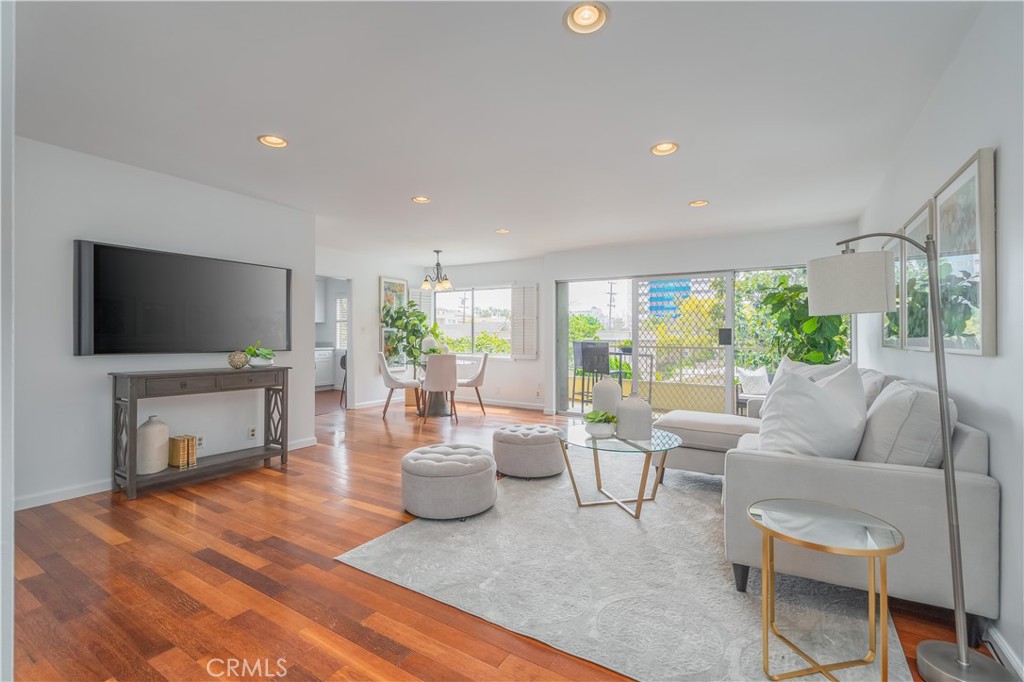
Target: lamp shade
<point x="851" y="283"/>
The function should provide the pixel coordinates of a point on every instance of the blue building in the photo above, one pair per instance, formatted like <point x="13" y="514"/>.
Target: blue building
<point x="665" y="296"/>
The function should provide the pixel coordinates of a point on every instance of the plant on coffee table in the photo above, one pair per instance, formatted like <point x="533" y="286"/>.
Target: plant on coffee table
<point x="600" y="424"/>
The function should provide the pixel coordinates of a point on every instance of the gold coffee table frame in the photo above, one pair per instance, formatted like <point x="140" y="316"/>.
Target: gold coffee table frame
<point x="661" y="441"/>
<point x="886" y="540"/>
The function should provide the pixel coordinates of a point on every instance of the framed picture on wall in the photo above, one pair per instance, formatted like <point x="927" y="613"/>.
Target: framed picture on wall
<point x="389" y="346"/>
<point x="892" y="322"/>
<point x="914" y="302"/>
<point x="393" y="292"/>
<point x="965" y="231"/>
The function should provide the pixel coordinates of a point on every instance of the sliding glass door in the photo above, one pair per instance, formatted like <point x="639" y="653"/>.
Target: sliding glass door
<point x="682" y="358"/>
<point x="676" y="340"/>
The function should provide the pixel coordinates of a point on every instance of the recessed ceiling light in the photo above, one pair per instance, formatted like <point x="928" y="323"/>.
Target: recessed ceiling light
<point x="421" y="200"/>
<point x="699" y="203"/>
<point x="586" y="17"/>
<point x="664" y="148"/>
<point x="502" y="230"/>
<point x="273" y="141"/>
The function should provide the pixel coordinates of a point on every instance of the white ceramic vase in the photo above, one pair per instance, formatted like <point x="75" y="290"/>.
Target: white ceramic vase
<point x="635" y="419"/>
<point x="151" y="446"/>
<point x="260" y="362"/>
<point x="598" y="430"/>
<point x="607" y="395"/>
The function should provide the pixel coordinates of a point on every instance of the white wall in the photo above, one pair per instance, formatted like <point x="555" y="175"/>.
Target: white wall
<point x="63" y="408"/>
<point x="977" y="103"/>
<point x="518" y="381"/>
<point x="6" y="341"/>
<point x="363" y="272"/>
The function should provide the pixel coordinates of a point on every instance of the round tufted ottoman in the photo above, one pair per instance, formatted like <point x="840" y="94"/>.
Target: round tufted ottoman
<point x="448" y="481"/>
<point x="528" y="450"/>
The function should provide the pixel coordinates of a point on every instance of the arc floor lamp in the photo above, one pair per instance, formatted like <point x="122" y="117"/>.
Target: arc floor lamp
<point x="865" y="283"/>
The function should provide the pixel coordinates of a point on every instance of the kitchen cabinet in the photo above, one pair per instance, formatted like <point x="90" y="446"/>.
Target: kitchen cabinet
<point x="324" y="367"/>
<point x="320" y="301"/>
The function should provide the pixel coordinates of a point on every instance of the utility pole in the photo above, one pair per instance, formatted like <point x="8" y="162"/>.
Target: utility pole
<point x="462" y="301"/>
<point x="611" y="302"/>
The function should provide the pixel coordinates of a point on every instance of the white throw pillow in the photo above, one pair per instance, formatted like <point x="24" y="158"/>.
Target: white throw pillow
<point x="812" y="372"/>
<point x="903" y="426"/>
<point x="824" y="419"/>
<point x="873" y="382"/>
<point x="754" y="382"/>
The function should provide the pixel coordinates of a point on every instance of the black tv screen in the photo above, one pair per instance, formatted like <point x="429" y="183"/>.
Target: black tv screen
<point x="130" y="300"/>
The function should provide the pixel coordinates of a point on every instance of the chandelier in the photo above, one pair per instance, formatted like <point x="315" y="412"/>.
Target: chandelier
<point x="441" y="279"/>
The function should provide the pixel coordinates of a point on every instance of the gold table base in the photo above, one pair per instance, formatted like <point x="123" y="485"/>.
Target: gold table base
<point x="638" y="500"/>
<point x="768" y="620"/>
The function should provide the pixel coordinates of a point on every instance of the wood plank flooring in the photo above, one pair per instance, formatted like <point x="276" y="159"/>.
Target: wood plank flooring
<point x="174" y="584"/>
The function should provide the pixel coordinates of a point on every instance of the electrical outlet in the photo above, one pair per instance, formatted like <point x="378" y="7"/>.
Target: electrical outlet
<point x="252" y="432"/>
<point x="199" y="442"/>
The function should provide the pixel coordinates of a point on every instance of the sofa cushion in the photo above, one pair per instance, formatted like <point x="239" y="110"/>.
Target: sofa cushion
<point x="903" y="426"/>
<point x="873" y="383"/>
<point x="821" y="419"/>
<point x="707" y="430"/>
<point x="812" y="372"/>
<point x="749" y="441"/>
<point x="754" y="382"/>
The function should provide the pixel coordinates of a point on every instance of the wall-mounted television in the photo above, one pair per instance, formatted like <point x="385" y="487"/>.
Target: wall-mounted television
<point x="130" y="300"/>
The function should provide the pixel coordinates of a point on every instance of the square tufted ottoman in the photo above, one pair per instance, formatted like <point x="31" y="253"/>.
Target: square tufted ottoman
<point x="448" y="481"/>
<point x="528" y="450"/>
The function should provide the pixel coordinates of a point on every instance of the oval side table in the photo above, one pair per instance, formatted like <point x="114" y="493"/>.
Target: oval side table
<point x="824" y="527"/>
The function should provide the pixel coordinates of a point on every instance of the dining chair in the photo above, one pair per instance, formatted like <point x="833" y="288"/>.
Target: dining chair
<point x="392" y="382"/>
<point x="440" y="378"/>
<point x="476" y="381"/>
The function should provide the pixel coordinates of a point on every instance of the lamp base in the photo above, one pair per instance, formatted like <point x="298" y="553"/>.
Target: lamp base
<point x="937" y="662"/>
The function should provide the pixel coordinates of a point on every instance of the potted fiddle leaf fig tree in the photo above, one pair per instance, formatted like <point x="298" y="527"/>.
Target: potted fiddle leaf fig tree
<point x="410" y="328"/>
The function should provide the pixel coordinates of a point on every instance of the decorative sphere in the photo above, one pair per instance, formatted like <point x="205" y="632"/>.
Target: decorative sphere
<point x="238" y="359"/>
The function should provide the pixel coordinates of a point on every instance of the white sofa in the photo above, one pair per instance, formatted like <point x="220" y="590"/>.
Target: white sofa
<point x="912" y="498"/>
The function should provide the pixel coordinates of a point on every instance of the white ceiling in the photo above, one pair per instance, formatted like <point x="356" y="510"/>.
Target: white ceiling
<point x="786" y="113"/>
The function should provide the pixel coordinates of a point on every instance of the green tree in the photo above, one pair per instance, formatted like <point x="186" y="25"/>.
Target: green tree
<point x="583" y="327"/>
<point x="799" y="335"/>
<point x="486" y="342"/>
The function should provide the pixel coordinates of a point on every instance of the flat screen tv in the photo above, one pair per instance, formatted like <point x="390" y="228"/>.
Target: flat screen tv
<point x="130" y="300"/>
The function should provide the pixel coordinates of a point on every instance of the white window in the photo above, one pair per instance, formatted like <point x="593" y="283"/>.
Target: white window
<point x="476" y="320"/>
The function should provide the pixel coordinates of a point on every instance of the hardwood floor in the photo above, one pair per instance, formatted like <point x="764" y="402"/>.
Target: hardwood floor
<point x="174" y="584"/>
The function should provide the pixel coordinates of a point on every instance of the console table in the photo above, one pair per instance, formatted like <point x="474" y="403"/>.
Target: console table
<point x="129" y="387"/>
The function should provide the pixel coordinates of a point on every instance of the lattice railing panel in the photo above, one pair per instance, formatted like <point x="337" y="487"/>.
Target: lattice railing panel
<point x="677" y="361"/>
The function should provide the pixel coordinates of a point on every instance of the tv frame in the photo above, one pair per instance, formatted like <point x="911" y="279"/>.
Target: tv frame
<point x="84" y="295"/>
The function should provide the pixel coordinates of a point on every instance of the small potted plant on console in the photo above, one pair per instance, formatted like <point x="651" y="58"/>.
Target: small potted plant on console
<point x="259" y="356"/>
<point x="600" y="424"/>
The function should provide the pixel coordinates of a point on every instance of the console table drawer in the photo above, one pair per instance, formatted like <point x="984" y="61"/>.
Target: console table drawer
<point x="246" y="380"/>
<point x="182" y="385"/>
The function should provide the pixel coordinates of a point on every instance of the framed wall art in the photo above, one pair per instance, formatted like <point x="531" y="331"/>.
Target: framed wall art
<point x="914" y="302"/>
<point x="966" y="234"/>
<point x="393" y="292"/>
<point x="892" y="322"/>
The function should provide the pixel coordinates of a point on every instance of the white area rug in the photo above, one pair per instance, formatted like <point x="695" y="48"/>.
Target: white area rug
<point x="651" y="598"/>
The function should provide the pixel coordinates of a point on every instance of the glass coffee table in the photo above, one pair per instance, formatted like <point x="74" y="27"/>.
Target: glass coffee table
<point x="660" y="441"/>
<point x="824" y="527"/>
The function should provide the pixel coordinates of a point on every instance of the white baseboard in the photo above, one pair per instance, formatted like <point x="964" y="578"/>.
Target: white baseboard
<point x="60" y="494"/>
<point x="71" y="492"/>
<point x="377" y="403"/>
<point x="504" y="403"/>
<point x="549" y="412"/>
<point x="1005" y="652"/>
